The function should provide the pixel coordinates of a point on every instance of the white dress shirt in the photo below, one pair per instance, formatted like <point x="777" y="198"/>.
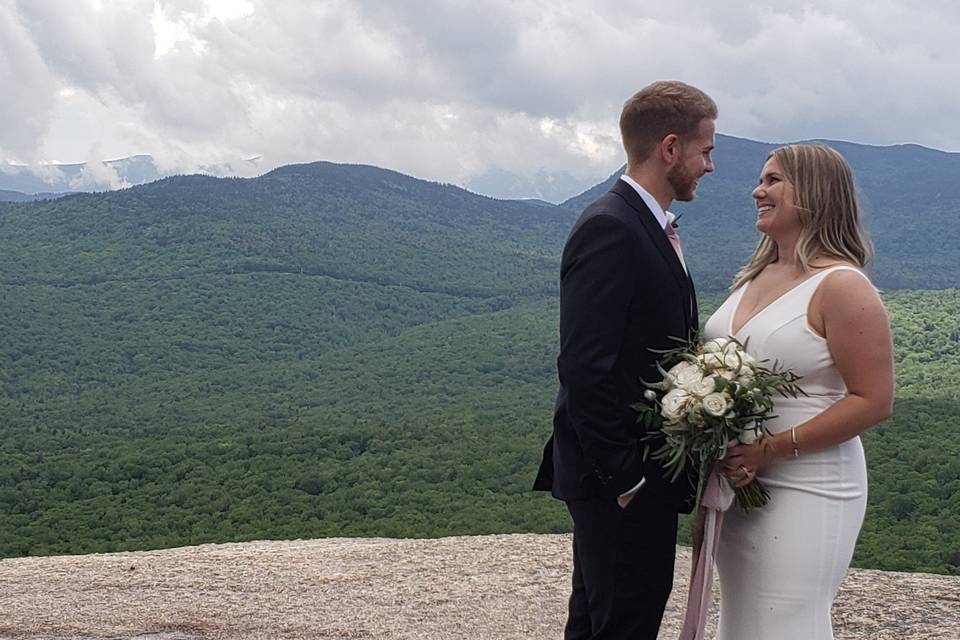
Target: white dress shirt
<point x="662" y="217"/>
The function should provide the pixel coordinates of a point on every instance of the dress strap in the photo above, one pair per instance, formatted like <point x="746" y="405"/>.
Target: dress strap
<point x="820" y="277"/>
<point x="796" y="301"/>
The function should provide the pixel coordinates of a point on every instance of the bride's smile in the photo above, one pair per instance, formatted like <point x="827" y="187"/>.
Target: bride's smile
<point x="774" y="195"/>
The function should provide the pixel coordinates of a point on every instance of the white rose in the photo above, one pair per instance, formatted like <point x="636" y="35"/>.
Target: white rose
<point x="650" y="395"/>
<point x="736" y="357"/>
<point x="674" y="404"/>
<point x="684" y="374"/>
<point x="711" y="361"/>
<point x="717" y="404"/>
<point x="732" y="346"/>
<point x="695" y="414"/>
<point x="746" y="376"/>
<point x="717" y="345"/>
<point x="702" y="387"/>
<point x="749" y="436"/>
<point x="733" y="361"/>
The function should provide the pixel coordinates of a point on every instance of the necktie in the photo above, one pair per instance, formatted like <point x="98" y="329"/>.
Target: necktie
<point x="674" y="241"/>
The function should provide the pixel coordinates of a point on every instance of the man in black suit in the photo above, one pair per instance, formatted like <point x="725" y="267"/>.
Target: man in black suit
<point x="625" y="293"/>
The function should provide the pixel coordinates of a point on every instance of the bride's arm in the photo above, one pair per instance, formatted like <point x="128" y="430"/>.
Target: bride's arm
<point x="848" y="312"/>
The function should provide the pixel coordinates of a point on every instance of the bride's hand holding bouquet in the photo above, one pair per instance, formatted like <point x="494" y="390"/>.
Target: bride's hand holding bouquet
<point x="713" y="398"/>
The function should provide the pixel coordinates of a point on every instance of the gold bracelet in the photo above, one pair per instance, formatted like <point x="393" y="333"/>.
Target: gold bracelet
<point x="793" y="441"/>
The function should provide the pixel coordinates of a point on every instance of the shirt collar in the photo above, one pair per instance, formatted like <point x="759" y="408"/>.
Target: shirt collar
<point x="663" y="218"/>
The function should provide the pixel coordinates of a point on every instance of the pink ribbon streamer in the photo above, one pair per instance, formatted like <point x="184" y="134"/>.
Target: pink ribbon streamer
<point x="718" y="495"/>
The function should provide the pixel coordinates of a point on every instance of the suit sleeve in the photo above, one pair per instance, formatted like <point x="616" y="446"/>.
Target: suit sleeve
<point x="598" y="276"/>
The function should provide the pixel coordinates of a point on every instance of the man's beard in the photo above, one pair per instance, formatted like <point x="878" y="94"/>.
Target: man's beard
<point x="684" y="183"/>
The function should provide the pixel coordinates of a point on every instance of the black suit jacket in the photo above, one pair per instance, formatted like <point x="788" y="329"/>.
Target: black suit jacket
<point x="623" y="295"/>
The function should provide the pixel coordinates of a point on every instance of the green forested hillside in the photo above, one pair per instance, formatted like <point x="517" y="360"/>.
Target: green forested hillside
<point x="429" y="432"/>
<point x="355" y="223"/>
<point x="69" y="339"/>
<point x="433" y="431"/>
<point x="914" y="459"/>
<point x="208" y="360"/>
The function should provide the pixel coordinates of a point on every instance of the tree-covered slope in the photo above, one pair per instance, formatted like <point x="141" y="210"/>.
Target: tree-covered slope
<point x="434" y="431"/>
<point x="63" y="340"/>
<point x="349" y="222"/>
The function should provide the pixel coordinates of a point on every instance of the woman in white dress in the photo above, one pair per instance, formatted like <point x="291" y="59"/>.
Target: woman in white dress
<point x="803" y="301"/>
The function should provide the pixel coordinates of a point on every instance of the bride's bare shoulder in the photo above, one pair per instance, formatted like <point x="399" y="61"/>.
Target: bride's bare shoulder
<point x="844" y="295"/>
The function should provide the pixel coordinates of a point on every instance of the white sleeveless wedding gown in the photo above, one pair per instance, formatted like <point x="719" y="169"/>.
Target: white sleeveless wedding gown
<point x="780" y="566"/>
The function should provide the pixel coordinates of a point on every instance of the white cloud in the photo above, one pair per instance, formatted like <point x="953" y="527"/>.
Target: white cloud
<point x="27" y="103"/>
<point x="97" y="176"/>
<point x="449" y="89"/>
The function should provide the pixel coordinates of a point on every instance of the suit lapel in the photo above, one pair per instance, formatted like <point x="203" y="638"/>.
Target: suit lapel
<point x="657" y="235"/>
<point x="694" y="307"/>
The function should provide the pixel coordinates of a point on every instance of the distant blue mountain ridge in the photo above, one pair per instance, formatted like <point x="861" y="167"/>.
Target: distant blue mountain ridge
<point x="58" y="179"/>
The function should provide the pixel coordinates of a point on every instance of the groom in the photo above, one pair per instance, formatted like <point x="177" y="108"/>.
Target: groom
<point x="624" y="293"/>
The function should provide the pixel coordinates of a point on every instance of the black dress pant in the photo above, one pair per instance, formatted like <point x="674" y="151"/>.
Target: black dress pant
<point x="622" y="567"/>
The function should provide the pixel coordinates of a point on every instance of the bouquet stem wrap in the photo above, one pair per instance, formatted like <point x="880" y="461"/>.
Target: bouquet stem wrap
<point x="718" y="495"/>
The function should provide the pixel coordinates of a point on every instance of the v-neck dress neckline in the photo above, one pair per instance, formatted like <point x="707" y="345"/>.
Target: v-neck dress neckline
<point x="743" y="290"/>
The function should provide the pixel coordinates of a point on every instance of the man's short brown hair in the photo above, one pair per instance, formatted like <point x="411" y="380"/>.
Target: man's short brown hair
<point x="659" y="109"/>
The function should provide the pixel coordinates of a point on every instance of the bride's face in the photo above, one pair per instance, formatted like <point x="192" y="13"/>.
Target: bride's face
<point x="776" y="211"/>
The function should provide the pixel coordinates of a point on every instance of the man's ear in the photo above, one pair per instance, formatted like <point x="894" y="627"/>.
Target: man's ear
<point x="670" y="149"/>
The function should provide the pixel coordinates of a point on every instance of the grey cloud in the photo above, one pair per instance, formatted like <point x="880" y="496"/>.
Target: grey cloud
<point x="110" y="54"/>
<point x="92" y="48"/>
<point x="448" y="89"/>
<point x="27" y="104"/>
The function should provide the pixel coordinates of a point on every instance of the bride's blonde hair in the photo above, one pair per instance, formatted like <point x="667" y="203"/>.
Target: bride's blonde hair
<point x="827" y="205"/>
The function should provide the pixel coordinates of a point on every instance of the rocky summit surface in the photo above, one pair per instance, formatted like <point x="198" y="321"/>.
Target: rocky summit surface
<point x="471" y="588"/>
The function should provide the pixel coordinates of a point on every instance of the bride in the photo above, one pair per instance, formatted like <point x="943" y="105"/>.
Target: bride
<point x="803" y="300"/>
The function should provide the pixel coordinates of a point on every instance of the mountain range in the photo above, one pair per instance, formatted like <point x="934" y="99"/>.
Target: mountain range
<point x="907" y="190"/>
<point x="331" y="218"/>
<point x="19" y="182"/>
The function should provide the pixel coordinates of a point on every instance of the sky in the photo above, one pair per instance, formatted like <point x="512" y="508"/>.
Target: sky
<point x="476" y="93"/>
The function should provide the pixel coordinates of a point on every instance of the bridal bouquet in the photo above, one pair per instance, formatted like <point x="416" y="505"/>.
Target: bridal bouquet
<point x="713" y="395"/>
